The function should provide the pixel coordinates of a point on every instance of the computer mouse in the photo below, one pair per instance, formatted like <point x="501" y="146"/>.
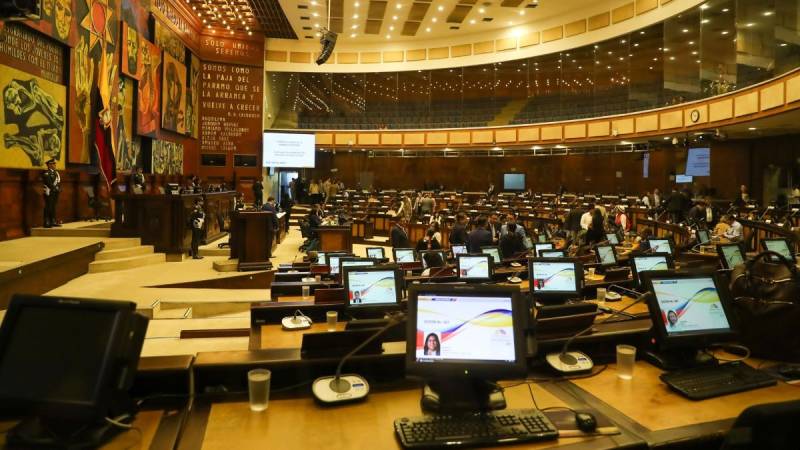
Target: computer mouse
<point x="586" y="422"/>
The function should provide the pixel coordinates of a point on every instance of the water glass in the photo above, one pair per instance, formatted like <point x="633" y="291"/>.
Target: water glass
<point x="626" y="360"/>
<point x="332" y="317"/>
<point x="258" y="381"/>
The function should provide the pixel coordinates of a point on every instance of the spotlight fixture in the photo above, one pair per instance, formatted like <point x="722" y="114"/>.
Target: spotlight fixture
<point x="328" y="42"/>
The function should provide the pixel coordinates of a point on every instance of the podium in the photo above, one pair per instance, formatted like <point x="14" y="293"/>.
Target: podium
<point x="252" y="238"/>
<point x="334" y="238"/>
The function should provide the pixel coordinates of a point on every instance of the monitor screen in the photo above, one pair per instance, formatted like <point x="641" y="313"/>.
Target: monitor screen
<point x="682" y="179"/>
<point x="660" y="246"/>
<point x="458" y="249"/>
<point x="780" y="247"/>
<point x="647" y="263"/>
<point x="320" y="257"/>
<point x="698" y="162"/>
<point x="404" y="255"/>
<point x="375" y="252"/>
<point x="433" y="258"/>
<point x="332" y="258"/>
<point x="690" y="305"/>
<point x="494" y="252"/>
<point x="612" y="238"/>
<point x="542" y="238"/>
<point x="605" y="255"/>
<point x="703" y="236"/>
<point x="538" y="247"/>
<point x="352" y="262"/>
<point x="513" y="181"/>
<point x="371" y="287"/>
<point x="474" y="267"/>
<point x="552" y="254"/>
<point x="294" y="150"/>
<point x="732" y="255"/>
<point x="554" y="277"/>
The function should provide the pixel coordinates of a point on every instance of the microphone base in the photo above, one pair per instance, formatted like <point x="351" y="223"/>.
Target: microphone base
<point x="582" y="362"/>
<point x="289" y="323"/>
<point x="348" y="388"/>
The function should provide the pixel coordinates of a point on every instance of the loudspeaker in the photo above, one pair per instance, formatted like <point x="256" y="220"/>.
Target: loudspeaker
<point x="20" y="10"/>
<point x="328" y="41"/>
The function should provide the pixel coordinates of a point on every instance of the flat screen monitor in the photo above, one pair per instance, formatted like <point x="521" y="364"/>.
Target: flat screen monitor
<point x="321" y="258"/>
<point x="433" y="258"/>
<point x="552" y="254"/>
<point x="698" y="162"/>
<point x="660" y="245"/>
<point x="683" y="179"/>
<point x="465" y="331"/>
<point x="378" y="286"/>
<point x="458" y="249"/>
<point x="327" y="257"/>
<point x="730" y="255"/>
<point x="779" y="246"/>
<point x="295" y="150"/>
<point x="688" y="310"/>
<point x="539" y="246"/>
<point x="354" y="262"/>
<point x="513" y="181"/>
<point x="555" y="279"/>
<point x="375" y="253"/>
<point x="541" y="238"/>
<point x="612" y="238"/>
<point x="703" y="236"/>
<point x="333" y="261"/>
<point x="606" y="255"/>
<point x="404" y="255"/>
<point x="494" y="252"/>
<point x="648" y="263"/>
<point x="475" y="267"/>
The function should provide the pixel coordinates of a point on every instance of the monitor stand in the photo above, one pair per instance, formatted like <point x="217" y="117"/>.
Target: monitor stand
<point x="37" y="432"/>
<point x="677" y="359"/>
<point x="462" y="395"/>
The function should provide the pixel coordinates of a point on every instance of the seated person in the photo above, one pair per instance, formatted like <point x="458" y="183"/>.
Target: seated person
<point x="722" y="227"/>
<point x="429" y="241"/>
<point x="734" y="232"/>
<point x="433" y="260"/>
<point x="511" y="243"/>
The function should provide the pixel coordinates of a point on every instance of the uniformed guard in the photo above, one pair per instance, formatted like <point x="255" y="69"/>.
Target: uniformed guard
<point x="138" y="181"/>
<point x="52" y="186"/>
<point x="196" y="219"/>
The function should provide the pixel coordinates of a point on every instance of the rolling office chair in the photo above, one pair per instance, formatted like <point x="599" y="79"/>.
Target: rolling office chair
<point x="771" y="426"/>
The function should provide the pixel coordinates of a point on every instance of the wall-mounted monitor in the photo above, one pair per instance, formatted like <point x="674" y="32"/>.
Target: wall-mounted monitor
<point x="698" y="162"/>
<point x="513" y="181"/>
<point x="295" y="150"/>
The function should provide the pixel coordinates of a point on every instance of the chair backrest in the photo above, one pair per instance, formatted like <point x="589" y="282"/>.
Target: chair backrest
<point x="771" y="426"/>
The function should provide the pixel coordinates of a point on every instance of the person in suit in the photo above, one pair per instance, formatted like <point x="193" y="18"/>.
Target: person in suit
<point x="52" y="187"/>
<point x="258" y="193"/>
<point x="511" y="243"/>
<point x="494" y="227"/>
<point x="137" y="181"/>
<point x="270" y="207"/>
<point x="399" y="235"/>
<point x="596" y="232"/>
<point x="458" y="235"/>
<point x="196" y="220"/>
<point x="479" y="237"/>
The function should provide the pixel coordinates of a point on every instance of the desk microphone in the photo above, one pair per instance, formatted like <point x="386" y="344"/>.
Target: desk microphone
<point x="299" y="321"/>
<point x="349" y="387"/>
<point x="572" y="362"/>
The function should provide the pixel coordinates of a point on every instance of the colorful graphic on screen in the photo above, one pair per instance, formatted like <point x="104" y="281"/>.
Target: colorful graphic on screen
<point x="371" y="288"/>
<point x="779" y="246"/>
<point x="733" y="255"/>
<point x="660" y="246"/>
<point x="647" y="263"/>
<point x="403" y="256"/>
<point x="553" y="276"/>
<point x="375" y="253"/>
<point x="458" y="249"/>
<point x="333" y="263"/>
<point x="606" y="253"/>
<point x="493" y="251"/>
<point x="545" y="246"/>
<point x="473" y="267"/>
<point x="464" y="328"/>
<point x="363" y="263"/>
<point x="690" y="305"/>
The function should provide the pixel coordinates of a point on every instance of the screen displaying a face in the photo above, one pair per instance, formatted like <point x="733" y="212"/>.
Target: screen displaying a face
<point x="473" y="267"/>
<point x="690" y="305"/>
<point x="733" y="255"/>
<point x="371" y="287"/>
<point x="553" y="276"/>
<point x="462" y="328"/>
<point x="404" y="256"/>
<point x="375" y="253"/>
<point x="606" y="254"/>
<point x="660" y="246"/>
<point x="493" y="252"/>
<point x="779" y="246"/>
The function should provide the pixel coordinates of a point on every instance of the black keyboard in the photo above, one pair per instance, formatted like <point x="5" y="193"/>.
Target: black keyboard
<point x="509" y="426"/>
<point x="706" y="382"/>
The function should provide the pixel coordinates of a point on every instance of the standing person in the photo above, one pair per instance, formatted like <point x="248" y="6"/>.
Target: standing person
<point x="494" y="227"/>
<point x="407" y="209"/>
<point x="325" y="188"/>
<point x="511" y="243"/>
<point x="596" y="232"/>
<point x="52" y="186"/>
<point x="657" y="198"/>
<point x="313" y="192"/>
<point x="645" y="200"/>
<point x="572" y="223"/>
<point x="675" y="203"/>
<point x="399" y="236"/>
<point x="293" y="188"/>
<point x="621" y="219"/>
<point x="137" y="181"/>
<point x="586" y="218"/>
<point x="490" y="191"/>
<point x="458" y="235"/>
<point x="258" y="193"/>
<point x="427" y="205"/>
<point x="479" y="237"/>
<point x="196" y="221"/>
<point x="333" y="189"/>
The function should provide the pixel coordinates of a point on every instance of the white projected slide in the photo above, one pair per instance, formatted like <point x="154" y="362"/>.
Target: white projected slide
<point x="294" y="150"/>
<point x="698" y="162"/>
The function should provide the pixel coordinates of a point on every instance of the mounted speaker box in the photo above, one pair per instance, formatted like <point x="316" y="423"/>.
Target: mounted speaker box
<point x="328" y="41"/>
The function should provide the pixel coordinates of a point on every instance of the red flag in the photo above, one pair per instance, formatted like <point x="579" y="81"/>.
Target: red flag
<point x="106" y="162"/>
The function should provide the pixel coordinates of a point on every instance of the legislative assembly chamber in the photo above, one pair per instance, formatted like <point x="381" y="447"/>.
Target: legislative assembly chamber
<point x="400" y="224"/>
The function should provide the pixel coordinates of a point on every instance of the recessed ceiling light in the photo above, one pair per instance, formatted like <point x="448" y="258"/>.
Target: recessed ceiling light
<point x="388" y="36"/>
<point x="440" y="8"/>
<point x="685" y="30"/>
<point x="752" y="128"/>
<point x="391" y="28"/>
<point x="784" y="44"/>
<point x="751" y="24"/>
<point x="725" y="9"/>
<point x="354" y="26"/>
<point x="355" y="16"/>
<point x="313" y="2"/>
<point x="434" y="20"/>
<point x="769" y="13"/>
<point x="521" y="12"/>
<point x="394" y="17"/>
<point x="356" y="4"/>
<point x="705" y="21"/>
<point x="481" y="10"/>
<point x="317" y="34"/>
<point x="428" y="29"/>
<point x="399" y="5"/>
<point x="352" y="35"/>
<point x="725" y="32"/>
<point x="472" y="22"/>
<point x="315" y="14"/>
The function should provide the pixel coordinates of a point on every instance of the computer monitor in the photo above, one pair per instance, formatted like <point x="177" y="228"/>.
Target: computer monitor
<point x="375" y="253"/>
<point x="372" y="287"/>
<point x="661" y="245"/>
<point x="554" y="279"/>
<point x="458" y="249"/>
<point x="321" y="258"/>
<point x="646" y="262"/>
<point x="542" y="238"/>
<point x="730" y="255"/>
<point x="333" y="261"/>
<point x="780" y="246"/>
<point x="68" y="363"/>
<point x="539" y="246"/>
<point x="351" y="261"/>
<point x="475" y="267"/>
<point x="552" y="254"/>
<point x="404" y="255"/>
<point x="703" y="236"/>
<point x="433" y="258"/>
<point x="612" y="238"/>
<point x="466" y="331"/>
<point x="606" y="255"/>
<point x="327" y="257"/>
<point x="688" y="310"/>
<point x="494" y="252"/>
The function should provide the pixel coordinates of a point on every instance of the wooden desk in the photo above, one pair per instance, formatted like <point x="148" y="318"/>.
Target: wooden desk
<point x="335" y="238"/>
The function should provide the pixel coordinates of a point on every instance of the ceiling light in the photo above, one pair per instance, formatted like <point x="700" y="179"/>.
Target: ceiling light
<point x="705" y="21"/>
<point x="769" y="13"/>
<point x="691" y="42"/>
<point x="704" y="6"/>
<point x="391" y="28"/>
<point x="725" y="10"/>
<point x="725" y="32"/>
<point x="249" y="33"/>
<point x="481" y="10"/>
<point x="752" y="128"/>
<point x="784" y="44"/>
<point x="685" y="30"/>
<point x="356" y="4"/>
<point x="472" y="22"/>
<point x="399" y="5"/>
<point x="428" y="29"/>
<point x="354" y="26"/>
<point x="388" y="36"/>
<point x="394" y="17"/>
<point x="355" y="16"/>
<point x="317" y="34"/>
<point x="353" y="35"/>
<point x="313" y="2"/>
<point x="434" y="20"/>
<point x="751" y="24"/>
<point x="521" y="12"/>
<point x="315" y="14"/>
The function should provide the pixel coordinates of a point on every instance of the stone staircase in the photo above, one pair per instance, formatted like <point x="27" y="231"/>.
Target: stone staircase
<point x="125" y="253"/>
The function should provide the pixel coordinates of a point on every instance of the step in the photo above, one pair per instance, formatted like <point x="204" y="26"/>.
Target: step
<point x="228" y="265"/>
<point x="215" y="251"/>
<point x="126" y="263"/>
<point x="173" y="313"/>
<point x="70" y="232"/>
<point x="124" y="252"/>
<point x="207" y="308"/>
<point x="117" y="243"/>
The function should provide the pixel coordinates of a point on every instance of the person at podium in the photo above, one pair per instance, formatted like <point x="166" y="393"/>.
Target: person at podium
<point x="52" y="187"/>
